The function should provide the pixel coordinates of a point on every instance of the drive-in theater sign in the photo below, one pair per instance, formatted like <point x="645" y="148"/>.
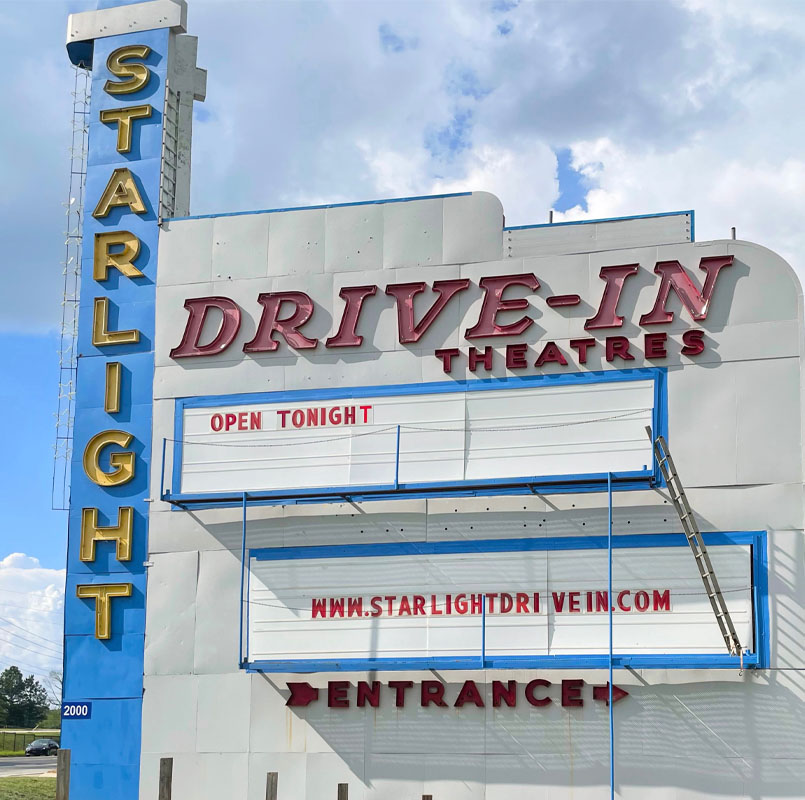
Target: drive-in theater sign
<point x="342" y="477"/>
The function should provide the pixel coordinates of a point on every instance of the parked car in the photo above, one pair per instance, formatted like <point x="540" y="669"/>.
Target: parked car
<point x="41" y="747"/>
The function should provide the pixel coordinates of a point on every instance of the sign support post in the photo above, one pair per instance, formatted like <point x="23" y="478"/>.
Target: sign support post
<point x="243" y="567"/>
<point x="609" y="603"/>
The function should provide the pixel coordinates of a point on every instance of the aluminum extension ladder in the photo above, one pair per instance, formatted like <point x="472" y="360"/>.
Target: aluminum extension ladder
<point x="697" y="545"/>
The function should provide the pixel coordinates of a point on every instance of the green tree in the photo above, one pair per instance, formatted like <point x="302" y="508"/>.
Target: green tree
<point x="52" y="718"/>
<point x="25" y="699"/>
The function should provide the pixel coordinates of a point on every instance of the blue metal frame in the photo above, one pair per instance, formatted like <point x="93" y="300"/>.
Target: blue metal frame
<point x="545" y="484"/>
<point x="690" y="212"/>
<point x="327" y="205"/>
<point x="610" y="681"/>
<point x="759" y="658"/>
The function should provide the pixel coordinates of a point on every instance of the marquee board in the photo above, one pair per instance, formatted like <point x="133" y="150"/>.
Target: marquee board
<point x="498" y="603"/>
<point x="559" y="431"/>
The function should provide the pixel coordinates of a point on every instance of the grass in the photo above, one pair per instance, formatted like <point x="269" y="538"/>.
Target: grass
<point x="28" y="788"/>
<point x="11" y="753"/>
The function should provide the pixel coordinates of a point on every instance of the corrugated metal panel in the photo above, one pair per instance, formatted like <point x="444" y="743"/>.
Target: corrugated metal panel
<point x="594" y="236"/>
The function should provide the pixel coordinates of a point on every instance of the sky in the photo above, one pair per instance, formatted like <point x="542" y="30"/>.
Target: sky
<point x="593" y="108"/>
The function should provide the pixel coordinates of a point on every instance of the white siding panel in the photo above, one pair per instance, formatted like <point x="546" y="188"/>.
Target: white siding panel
<point x="563" y="238"/>
<point x="224" y="703"/>
<point x="353" y="238"/>
<point x="412" y="233"/>
<point x="170" y="705"/>
<point x="291" y="769"/>
<point x="326" y="770"/>
<point x="273" y="728"/>
<point x="185" y="252"/>
<point x="171" y="613"/>
<point x="473" y="228"/>
<point x="217" y="612"/>
<point x="240" y="246"/>
<point x="296" y="242"/>
<point x="768" y="451"/>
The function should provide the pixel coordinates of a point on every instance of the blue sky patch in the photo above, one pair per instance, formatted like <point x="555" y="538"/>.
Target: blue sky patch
<point x="453" y="138"/>
<point x="505" y="27"/>
<point x="463" y="81"/>
<point x="392" y="42"/>
<point x="573" y="186"/>
<point x="502" y="6"/>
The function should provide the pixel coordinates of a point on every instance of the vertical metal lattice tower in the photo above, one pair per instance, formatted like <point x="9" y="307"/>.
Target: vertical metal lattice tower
<point x="71" y="270"/>
<point x="170" y="154"/>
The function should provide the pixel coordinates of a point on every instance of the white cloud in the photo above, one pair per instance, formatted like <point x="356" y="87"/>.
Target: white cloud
<point x="31" y="607"/>
<point x="692" y="103"/>
<point x="762" y="198"/>
<point x="527" y="178"/>
<point x="744" y="169"/>
<point x="524" y="179"/>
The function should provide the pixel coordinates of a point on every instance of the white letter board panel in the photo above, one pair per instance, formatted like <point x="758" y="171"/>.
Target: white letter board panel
<point x="529" y="431"/>
<point x="535" y="603"/>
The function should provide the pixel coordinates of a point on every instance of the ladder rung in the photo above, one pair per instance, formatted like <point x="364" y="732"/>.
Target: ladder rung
<point x="686" y="516"/>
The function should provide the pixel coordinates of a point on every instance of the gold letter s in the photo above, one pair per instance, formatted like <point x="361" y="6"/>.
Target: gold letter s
<point x="136" y="75"/>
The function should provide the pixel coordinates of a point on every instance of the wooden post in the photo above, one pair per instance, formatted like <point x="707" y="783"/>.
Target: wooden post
<point x="271" y="786"/>
<point x="63" y="775"/>
<point x="343" y="791"/>
<point x="165" y="778"/>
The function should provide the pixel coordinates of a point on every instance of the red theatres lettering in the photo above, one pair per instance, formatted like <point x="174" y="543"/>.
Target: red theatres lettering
<point x="214" y="322"/>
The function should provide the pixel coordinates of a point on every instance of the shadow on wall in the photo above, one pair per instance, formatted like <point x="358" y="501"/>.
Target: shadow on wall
<point x="373" y="522"/>
<point x="734" y="739"/>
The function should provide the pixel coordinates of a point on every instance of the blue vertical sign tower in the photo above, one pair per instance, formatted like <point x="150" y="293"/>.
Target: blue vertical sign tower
<point x="127" y="47"/>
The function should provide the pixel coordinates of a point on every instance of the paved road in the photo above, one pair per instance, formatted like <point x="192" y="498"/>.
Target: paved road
<point x="34" y="765"/>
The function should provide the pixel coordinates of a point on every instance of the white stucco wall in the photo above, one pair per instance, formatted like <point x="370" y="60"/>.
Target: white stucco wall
<point x="734" y="429"/>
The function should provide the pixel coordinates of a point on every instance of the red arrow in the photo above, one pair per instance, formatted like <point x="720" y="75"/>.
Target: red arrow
<point x="302" y="694"/>
<point x="602" y="693"/>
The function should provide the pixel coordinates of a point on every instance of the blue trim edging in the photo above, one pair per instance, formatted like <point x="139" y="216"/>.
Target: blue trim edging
<point x="689" y="212"/>
<point x="326" y="205"/>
